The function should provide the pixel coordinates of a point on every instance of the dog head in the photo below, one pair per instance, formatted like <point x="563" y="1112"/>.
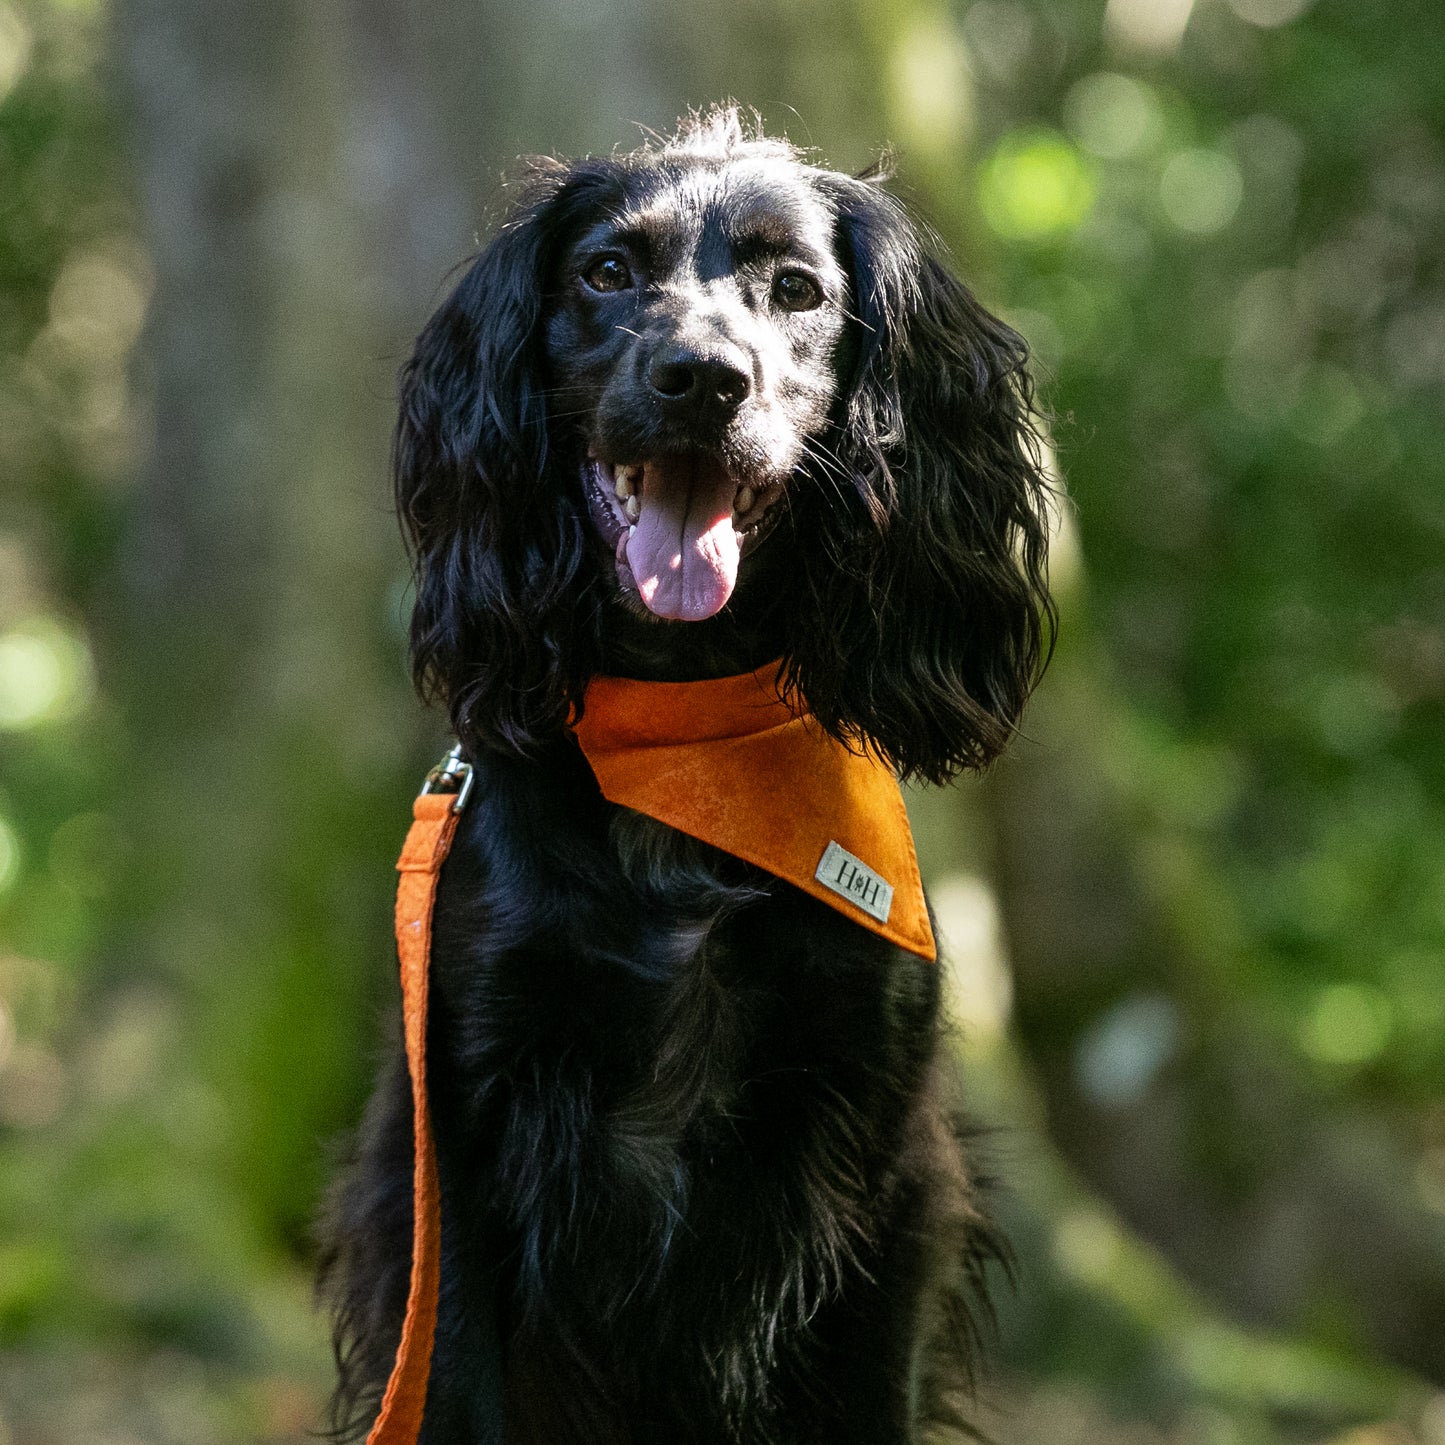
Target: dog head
<point x="694" y="334"/>
<point x="667" y="362"/>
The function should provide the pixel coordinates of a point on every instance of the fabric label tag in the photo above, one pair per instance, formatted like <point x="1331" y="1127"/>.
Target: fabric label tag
<point x="853" y="879"/>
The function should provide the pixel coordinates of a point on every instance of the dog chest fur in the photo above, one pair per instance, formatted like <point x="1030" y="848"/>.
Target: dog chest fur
<point x="603" y="1118"/>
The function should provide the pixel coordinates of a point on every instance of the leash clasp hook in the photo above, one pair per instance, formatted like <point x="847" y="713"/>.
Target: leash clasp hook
<point x="452" y="775"/>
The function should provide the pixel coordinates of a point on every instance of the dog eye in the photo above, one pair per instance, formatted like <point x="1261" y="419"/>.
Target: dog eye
<point x="608" y="274"/>
<point x="795" y="291"/>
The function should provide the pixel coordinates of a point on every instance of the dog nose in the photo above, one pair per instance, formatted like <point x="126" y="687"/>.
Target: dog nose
<point x="690" y="379"/>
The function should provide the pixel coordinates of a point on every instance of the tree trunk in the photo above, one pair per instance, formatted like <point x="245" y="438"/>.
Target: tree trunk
<point x="309" y="177"/>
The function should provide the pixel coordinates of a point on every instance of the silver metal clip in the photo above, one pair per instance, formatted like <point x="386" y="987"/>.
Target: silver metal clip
<point x="452" y="775"/>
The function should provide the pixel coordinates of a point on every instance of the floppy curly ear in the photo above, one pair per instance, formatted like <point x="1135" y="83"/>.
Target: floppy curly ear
<point x="498" y="544"/>
<point x="927" y="616"/>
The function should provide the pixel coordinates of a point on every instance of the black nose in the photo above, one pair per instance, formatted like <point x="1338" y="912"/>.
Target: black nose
<point x="687" y="379"/>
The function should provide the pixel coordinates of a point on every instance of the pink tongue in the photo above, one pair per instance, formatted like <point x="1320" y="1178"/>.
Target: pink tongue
<point x="683" y="552"/>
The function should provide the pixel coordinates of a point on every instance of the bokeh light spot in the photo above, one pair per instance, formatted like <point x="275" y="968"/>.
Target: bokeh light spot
<point x="98" y="303"/>
<point x="971" y="938"/>
<point x="45" y="674"/>
<point x="1088" y="1246"/>
<point x="1201" y="190"/>
<point x="1349" y="1023"/>
<point x="1120" y="1054"/>
<point x="1432" y="1421"/>
<point x="1269" y="14"/>
<point x="33" y="1087"/>
<point x="1153" y="27"/>
<point x="9" y="855"/>
<point x="932" y="91"/>
<point x="1114" y="116"/>
<point x="1035" y="185"/>
<point x="15" y="42"/>
<point x="1000" y="34"/>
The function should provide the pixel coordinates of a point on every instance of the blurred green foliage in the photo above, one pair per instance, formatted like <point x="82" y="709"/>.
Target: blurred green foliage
<point x="1220" y="227"/>
<point x="1246" y="325"/>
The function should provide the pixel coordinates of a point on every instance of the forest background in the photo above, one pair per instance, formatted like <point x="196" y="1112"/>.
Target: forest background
<point x="1196" y="922"/>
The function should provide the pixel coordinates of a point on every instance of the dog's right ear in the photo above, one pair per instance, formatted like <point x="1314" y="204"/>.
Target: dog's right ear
<point x="927" y="617"/>
<point x="497" y="543"/>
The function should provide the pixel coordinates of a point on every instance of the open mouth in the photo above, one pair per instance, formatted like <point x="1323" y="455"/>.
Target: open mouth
<point x="680" y="525"/>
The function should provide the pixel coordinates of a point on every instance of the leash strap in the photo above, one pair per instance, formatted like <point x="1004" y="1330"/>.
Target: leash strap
<point x="434" y="825"/>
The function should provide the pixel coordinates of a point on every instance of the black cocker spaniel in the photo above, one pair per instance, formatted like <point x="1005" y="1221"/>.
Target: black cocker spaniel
<point x="693" y="409"/>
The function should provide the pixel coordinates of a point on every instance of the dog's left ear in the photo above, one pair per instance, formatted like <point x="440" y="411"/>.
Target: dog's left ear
<point x="496" y="533"/>
<point x="926" y="617"/>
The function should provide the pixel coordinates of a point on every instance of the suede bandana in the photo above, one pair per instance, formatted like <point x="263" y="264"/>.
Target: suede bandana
<point x="731" y="762"/>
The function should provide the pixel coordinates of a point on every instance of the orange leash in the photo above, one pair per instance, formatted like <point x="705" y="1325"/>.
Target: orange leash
<point x="434" y="825"/>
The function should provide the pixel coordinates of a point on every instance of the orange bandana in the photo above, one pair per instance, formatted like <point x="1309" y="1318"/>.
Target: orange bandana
<point x="732" y="763"/>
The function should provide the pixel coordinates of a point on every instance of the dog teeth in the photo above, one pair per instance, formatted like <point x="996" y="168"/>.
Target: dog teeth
<point x="628" y="480"/>
<point x="633" y="507"/>
<point x="743" y="502"/>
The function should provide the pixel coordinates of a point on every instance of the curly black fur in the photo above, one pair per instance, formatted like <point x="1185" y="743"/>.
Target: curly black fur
<point x="702" y="1178"/>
